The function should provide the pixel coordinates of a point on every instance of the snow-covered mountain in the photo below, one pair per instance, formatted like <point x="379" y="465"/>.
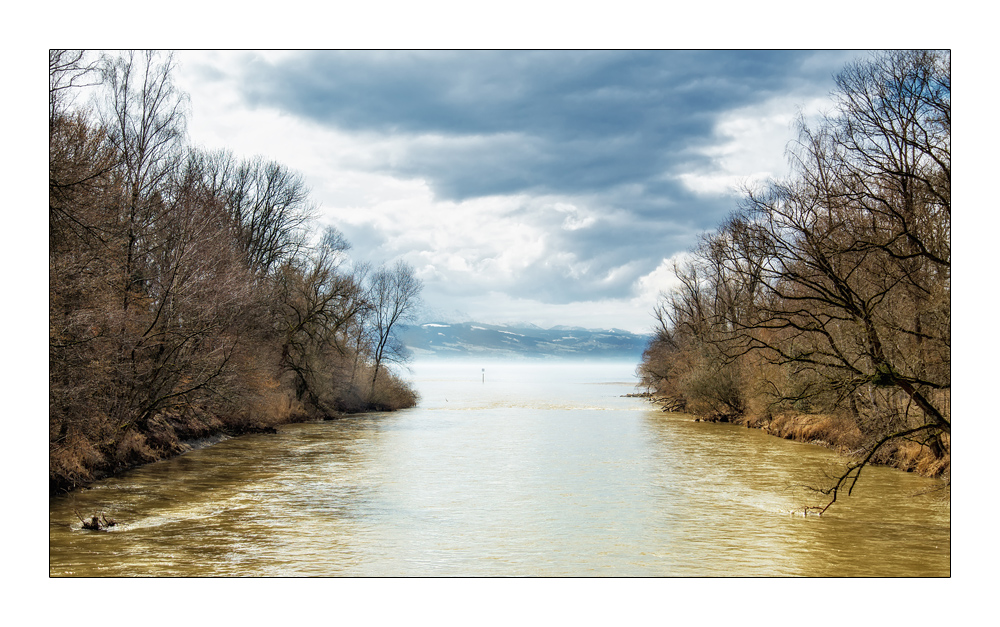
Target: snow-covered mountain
<point x="521" y="341"/>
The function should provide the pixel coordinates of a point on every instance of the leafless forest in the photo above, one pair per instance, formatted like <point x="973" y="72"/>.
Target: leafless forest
<point x="190" y="292"/>
<point x="821" y="309"/>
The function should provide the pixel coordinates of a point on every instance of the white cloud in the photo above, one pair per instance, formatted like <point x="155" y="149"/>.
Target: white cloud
<point x="662" y="279"/>
<point x="633" y="314"/>
<point x="575" y="217"/>
<point x="466" y="252"/>
<point x="473" y="254"/>
<point x="716" y="184"/>
<point x="750" y="145"/>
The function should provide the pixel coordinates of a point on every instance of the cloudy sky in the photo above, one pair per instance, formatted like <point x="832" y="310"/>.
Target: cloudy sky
<point x="545" y="187"/>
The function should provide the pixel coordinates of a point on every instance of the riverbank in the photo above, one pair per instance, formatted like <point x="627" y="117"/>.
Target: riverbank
<point x="834" y="432"/>
<point x="76" y="461"/>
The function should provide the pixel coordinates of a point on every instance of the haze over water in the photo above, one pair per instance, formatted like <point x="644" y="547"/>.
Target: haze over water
<point x="536" y="468"/>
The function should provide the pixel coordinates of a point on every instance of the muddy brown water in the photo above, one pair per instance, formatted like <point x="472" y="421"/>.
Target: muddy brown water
<point x="540" y="470"/>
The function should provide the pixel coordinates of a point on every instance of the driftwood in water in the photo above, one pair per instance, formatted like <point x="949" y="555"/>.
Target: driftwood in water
<point x="671" y="404"/>
<point x="666" y="403"/>
<point x="96" y="523"/>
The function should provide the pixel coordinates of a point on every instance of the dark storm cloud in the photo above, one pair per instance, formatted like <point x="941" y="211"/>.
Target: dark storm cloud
<point x="556" y="94"/>
<point x="533" y="122"/>
<point x="605" y="134"/>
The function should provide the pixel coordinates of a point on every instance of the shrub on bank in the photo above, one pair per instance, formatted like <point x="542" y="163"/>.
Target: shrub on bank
<point x="392" y="394"/>
<point x="93" y="449"/>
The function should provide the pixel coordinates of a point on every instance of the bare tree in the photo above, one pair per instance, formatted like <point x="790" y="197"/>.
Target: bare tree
<point x="268" y="204"/>
<point x="393" y="294"/>
<point x="858" y="243"/>
<point x="144" y="118"/>
<point x="317" y="304"/>
<point x="69" y="70"/>
<point x="840" y="275"/>
<point x="857" y="283"/>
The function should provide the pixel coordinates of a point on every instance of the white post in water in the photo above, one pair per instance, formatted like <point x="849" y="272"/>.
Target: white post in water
<point x="484" y="375"/>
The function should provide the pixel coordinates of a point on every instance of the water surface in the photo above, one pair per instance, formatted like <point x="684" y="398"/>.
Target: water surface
<point x="526" y="469"/>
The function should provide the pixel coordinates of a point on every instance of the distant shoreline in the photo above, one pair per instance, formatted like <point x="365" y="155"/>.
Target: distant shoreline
<point x="529" y="342"/>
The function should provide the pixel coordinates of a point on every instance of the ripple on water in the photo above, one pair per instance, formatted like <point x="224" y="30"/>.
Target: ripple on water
<point x="547" y="472"/>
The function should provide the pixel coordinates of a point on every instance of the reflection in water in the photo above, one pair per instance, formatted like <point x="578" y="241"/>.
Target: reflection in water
<point x="738" y="487"/>
<point x="541" y="470"/>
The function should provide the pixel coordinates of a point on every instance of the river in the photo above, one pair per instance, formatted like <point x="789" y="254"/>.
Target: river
<point x="533" y="469"/>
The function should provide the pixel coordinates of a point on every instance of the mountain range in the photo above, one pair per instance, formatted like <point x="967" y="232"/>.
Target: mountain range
<point x="520" y="341"/>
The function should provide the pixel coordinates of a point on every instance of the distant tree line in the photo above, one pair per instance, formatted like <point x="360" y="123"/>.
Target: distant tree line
<point x="828" y="294"/>
<point x="189" y="292"/>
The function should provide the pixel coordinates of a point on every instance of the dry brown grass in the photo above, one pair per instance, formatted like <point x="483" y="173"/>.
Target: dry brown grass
<point x="275" y="407"/>
<point x="71" y="462"/>
<point x="830" y="430"/>
<point x="278" y="407"/>
<point x="79" y="458"/>
<point x="919" y="458"/>
<point x="842" y="434"/>
<point x="133" y="449"/>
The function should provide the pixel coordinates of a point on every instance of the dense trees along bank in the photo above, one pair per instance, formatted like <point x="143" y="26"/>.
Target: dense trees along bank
<point x="821" y="308"/>
<point x="189" y="294"/>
